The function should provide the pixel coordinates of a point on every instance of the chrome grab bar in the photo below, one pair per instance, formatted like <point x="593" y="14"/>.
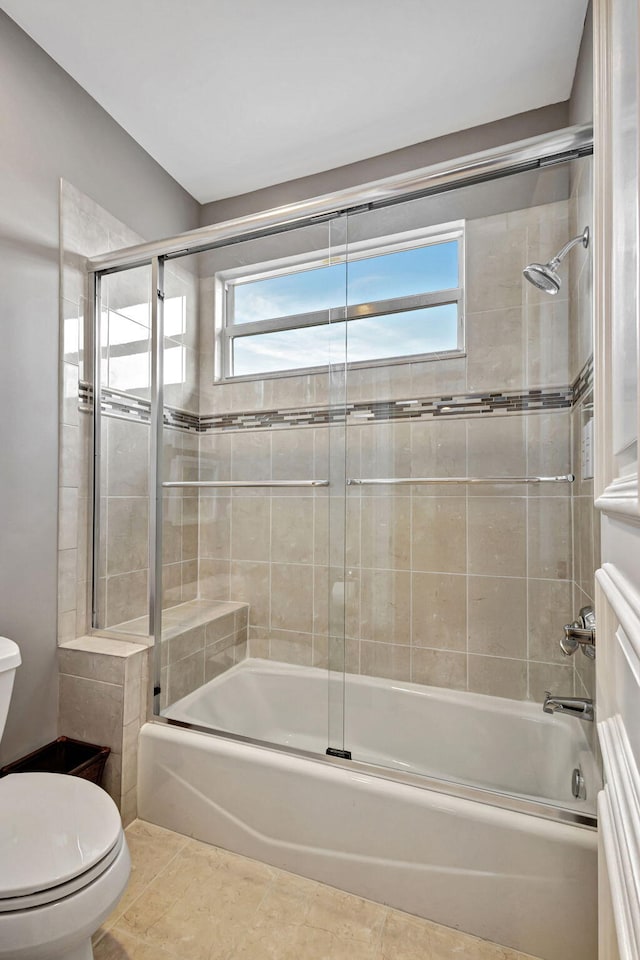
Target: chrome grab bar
<point x="245" y="483"/>
<point x="370" y="481"/>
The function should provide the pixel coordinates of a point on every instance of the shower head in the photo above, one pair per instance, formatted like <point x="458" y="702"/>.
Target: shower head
<point x="544" y="276"/>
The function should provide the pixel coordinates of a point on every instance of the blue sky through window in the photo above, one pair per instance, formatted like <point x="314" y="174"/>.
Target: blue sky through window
<point x="405" y="273"/>
<point x="415" y="332"/>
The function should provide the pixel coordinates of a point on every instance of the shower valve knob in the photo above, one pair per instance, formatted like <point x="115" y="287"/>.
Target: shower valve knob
<point x="580" y="633"/>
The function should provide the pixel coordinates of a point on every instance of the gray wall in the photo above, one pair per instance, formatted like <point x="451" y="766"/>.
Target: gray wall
<point x="52" y="129"/>
<point x="518" y="127"/>
<point x="581" y="102"/>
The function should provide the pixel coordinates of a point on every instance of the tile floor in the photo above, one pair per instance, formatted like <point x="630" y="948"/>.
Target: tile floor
<point x="187" y="900"/>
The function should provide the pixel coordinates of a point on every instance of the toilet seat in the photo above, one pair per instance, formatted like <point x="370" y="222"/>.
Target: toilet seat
<point x="51" y="894"/>
<point x="57" y="834"/>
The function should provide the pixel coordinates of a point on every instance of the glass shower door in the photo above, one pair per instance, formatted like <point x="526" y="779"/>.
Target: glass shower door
<point x="252" y="478"/>
<point x="459" y="503"/>
<point x="351" y="423"/>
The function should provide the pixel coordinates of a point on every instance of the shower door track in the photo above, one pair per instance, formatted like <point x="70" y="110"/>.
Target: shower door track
<point x="534" y="153"/>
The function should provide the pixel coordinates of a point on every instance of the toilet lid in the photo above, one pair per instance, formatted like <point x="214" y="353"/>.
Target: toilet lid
<point x="52" y="828"/>
<point x="9" y="654"/>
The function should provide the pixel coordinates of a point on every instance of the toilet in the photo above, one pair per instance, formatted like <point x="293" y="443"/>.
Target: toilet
<point x="64" y="862"/>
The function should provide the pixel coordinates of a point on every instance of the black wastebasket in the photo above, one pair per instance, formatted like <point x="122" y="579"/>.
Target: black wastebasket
<point x="64" y="755"/>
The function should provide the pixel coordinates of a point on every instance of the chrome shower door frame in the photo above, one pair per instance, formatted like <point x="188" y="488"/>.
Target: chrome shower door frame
<point x="155" y="472"/>
<point x="94" y="337"/>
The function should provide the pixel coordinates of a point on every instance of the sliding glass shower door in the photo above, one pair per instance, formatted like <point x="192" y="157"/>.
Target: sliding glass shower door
<point x="251" y="481"/>
<point x="342" y="479"/>
<point x="459" y="507"/>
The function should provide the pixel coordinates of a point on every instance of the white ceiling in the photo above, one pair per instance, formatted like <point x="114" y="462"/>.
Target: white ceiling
<point x="233" y="95"/>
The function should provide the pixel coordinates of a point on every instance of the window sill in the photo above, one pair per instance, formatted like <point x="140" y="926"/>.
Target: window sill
<point x="359" y="365"/>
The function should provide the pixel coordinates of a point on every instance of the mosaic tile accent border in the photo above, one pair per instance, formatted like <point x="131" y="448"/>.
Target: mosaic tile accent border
<point x="116" y="403"/>
<point x="446" y="406"/>
<point x="583" y="382"/>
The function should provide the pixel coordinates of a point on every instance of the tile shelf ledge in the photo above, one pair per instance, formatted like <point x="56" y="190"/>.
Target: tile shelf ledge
<point x="176" y="620"/>
<point x="107" y="644"/>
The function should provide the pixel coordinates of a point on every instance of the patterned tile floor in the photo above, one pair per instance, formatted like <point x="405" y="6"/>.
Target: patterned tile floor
<point x="187" y="900"/>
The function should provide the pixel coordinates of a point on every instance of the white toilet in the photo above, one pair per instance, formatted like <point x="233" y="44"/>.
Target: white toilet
<point x="64" y="862"/>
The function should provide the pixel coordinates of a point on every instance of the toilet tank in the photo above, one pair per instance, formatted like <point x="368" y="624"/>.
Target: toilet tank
<point x="9" y="663"/>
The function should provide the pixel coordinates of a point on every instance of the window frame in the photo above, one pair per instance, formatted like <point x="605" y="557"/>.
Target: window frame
<point x="226" y="280"/>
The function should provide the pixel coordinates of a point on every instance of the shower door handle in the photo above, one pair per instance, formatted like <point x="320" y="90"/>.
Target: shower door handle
<point x="245" y="483"/>
<point x="372" y="481"/>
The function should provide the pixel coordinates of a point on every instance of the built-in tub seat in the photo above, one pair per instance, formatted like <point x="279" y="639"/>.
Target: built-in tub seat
<point x="200" y="639"/>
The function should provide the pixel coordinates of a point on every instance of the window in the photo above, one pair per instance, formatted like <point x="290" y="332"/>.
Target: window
<point x="401" y="298"/>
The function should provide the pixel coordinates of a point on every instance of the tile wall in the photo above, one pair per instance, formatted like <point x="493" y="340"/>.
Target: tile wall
<point x="87" y="230"/>
<point x="104" y="683"/>
<point x="461" y="587"/>
<point x="453" y="586"/>
<point x="125" y="444"/>
<point x="125" y="520"/>
<point x="199" y="642"/>
<point x="104" y="699"/>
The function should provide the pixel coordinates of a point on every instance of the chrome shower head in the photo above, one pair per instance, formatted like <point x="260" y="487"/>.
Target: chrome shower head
<point x="544" y="276"/>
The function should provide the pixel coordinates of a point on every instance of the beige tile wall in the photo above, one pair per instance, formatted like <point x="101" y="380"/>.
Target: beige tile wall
<point x="199" y="643"/>
<point x="125" y="520"/>
<point x="125" y="451"/>
<point x="467" y="588"/>
<point x="86" y="230"/>
<point x="444" y="585"/>
<point x="441" y="582"/>
<point x="104" y="699"/>
<point x="104" y="684"/>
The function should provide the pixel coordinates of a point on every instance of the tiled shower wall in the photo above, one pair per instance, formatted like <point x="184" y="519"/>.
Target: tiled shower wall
<point x="102" y="688"/>
<point x="439" y="581"/>
<point x="443" y="585"/>
<point x="87" y="230"/>
<point x="125" y="445"/>
<point x="461" y="588"/>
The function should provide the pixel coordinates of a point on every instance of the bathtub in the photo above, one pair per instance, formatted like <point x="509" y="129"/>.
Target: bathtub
<point x="420" y="819"/>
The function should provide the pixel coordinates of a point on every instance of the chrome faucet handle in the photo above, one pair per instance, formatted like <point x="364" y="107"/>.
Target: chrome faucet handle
<point x="569" y="643"/>
<point x="580" y="633"/>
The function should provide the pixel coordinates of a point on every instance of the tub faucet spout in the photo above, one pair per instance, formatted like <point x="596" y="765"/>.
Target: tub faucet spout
<point x="579" y="707"/>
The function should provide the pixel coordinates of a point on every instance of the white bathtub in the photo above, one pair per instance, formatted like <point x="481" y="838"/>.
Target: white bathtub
<point x="451" y="854"/>
<point x="498" y="744"/>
